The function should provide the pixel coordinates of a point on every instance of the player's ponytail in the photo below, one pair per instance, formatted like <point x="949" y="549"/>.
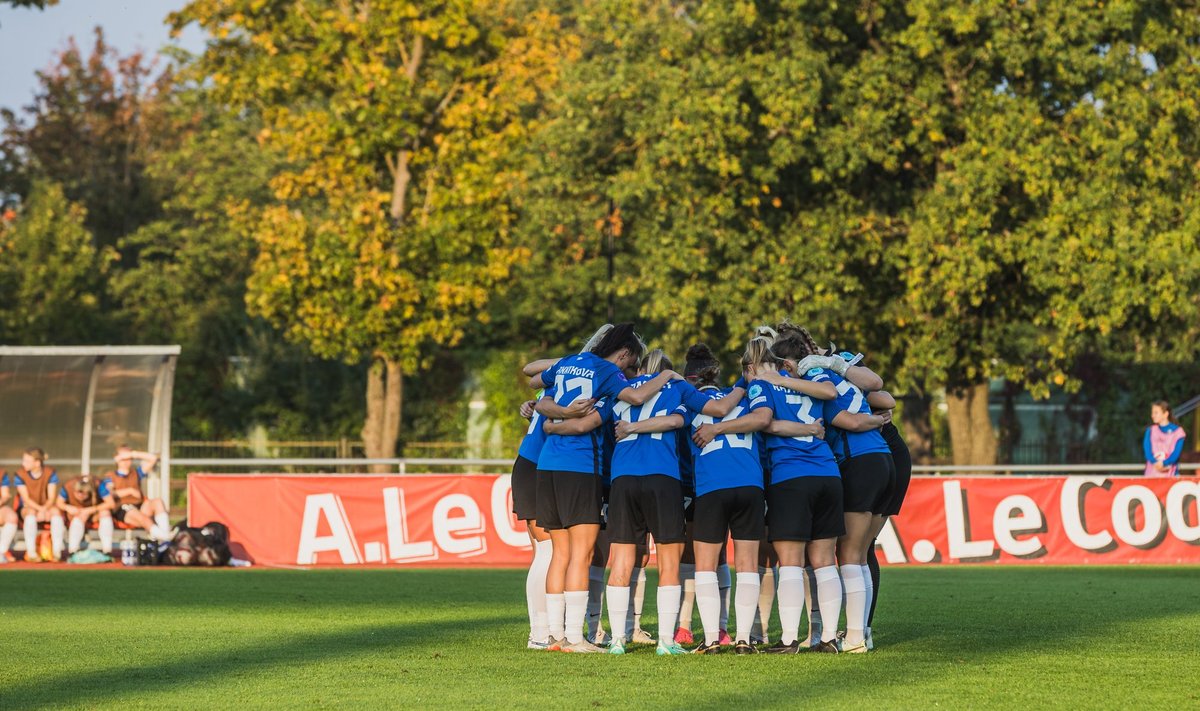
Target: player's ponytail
<point x="758" y="352"/>
<point x="618" y="337"/>
<point x="592" y="342"/>
<point x="656" y="362"/>
<point x="766" y="332"/>
<point x="701" y="367"/>
<point x="800" y="334"/>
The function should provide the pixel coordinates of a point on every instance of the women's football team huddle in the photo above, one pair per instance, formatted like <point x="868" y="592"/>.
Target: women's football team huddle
<point x="798" y="463"/>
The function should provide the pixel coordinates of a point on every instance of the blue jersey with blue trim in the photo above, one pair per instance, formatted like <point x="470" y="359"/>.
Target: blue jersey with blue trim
<point x="849" y="399"/>
<point x="730" y="460"/>
<point x="646" y="454"/>
<point x="535" y="437"/>
<point x="579" y="376"/>
<point x="793" y="457"/>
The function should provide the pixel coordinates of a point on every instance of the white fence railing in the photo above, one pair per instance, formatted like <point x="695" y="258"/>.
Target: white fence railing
<point x="414" y="465"/>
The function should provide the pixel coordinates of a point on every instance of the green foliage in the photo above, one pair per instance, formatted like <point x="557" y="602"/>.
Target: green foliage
<point x="385" y="234"/>
<point x="91" y="127"/>
<point x="51" y="274"/>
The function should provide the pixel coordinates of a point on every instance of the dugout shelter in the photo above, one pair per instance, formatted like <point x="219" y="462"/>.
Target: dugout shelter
<point x="79" y="403"/>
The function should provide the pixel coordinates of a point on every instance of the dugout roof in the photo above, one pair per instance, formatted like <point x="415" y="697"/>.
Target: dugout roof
<point x="79" y="403"/>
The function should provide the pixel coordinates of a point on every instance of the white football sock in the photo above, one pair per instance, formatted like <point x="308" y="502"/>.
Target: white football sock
<point x="106" y="534"/>
<point x="577" y="605"/>
<point x="164" y="523"/>
<point x="30" y="536"/>
<point x="556" y="614"/>
<point x="668" y="612"/>
<point x="637" y="582"/>
<point x="708" y="599"/>
<point x="57" y="532"/>
<point x="766" y="602"/>
<point x="856" y="597"/>
<point x="687" y="582"/>
<point x="724" y="582"/>
<point x="535" y="590"/>
<point x="75" y="534"/>
<point x="811" y="604"/>
<point x="595" y="601"/>
<point x="7" y="534"/>
<point x="618" y="609"/>
<point x="829" y="599"/>
<point x="746" y="604"/>
<point x="869" y="584"/>
<point x="791" y="601"/>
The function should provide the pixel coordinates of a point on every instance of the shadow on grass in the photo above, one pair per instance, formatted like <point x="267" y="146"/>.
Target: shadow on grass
<point x="129" y="681"/>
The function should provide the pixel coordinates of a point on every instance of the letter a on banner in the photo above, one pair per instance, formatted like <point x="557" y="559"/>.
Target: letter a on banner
<point x="340" y="538"/>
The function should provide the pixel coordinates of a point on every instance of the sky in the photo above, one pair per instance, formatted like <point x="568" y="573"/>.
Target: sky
<point x="30" y="38"/>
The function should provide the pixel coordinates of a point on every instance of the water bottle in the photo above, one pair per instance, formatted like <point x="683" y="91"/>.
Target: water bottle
<point x="128" y="552"/>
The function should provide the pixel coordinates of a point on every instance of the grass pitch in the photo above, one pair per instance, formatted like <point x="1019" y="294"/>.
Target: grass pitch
<point x="962" y="637"/>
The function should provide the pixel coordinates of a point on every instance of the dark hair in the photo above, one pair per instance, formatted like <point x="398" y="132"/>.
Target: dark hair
<point x="799" y="341"/>
<point x="620" y="336"/>
<point x="1166" y="406"/>
<point x="701" y="365"/>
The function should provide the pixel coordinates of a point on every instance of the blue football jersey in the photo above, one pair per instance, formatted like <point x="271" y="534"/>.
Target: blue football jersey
<point x="646" y="454"/>
<point x="535" y="437"/>
<point x="729" y="461"/>
<point x="850" y="399"/>
<point x="793" y="457"/>
<point x="574" y="377"/>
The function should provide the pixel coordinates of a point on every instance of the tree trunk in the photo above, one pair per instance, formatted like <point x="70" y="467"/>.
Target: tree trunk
<point x="972" y="437"/>
<point x="918" y="432"/>
<point x="381" y="429"/>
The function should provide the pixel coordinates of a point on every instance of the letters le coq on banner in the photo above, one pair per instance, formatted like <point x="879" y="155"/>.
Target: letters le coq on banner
<point x="465" y="520"/>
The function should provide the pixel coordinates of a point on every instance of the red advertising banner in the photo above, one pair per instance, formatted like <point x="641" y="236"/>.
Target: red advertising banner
<point x="465" y="520"/>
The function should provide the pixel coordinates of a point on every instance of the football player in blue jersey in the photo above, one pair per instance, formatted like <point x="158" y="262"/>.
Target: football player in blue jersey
<point x="702" y="371"/>
<point x="569" y="491"/>
<point x="524" y="497"/>
<point x="804" y="498"/>
<point x="729" y="502"/>
<point x="865" y="462"/>
<point x="647" y="496"/>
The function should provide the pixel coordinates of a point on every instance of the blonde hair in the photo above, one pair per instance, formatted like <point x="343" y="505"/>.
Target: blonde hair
<point x="656" y="362"/>
<point x="766" y="332"/>
<point x="758" y="351"/>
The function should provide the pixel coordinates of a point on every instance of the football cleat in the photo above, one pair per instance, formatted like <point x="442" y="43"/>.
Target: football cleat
<point x="830" y="647"/>
<point x="860" y="648"/>
<point x="724" y="639"/>
<point x="542" y="645"/>
<point x="641" y="636"/>
<point x="600" y="639"/>
<point x="582" y="647"/>
<point x="744" y="647"/>
<point x="669" y="650"/>
<point x="714" y="648"/>
<point x="781" y="648"/>
<point x="683" y="636"/>
<point x="616" y="645"/>
<point x="554" y="644"/>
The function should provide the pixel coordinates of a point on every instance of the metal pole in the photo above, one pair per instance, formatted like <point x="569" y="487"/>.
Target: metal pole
<point x="85" y="452"/>
<point x="608" y="230"/>
<point x="167" y="375"/>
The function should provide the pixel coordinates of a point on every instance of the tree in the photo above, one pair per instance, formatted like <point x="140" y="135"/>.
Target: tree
<point x="387" y="232"/>
<point x="91" y="127"/>
<point x="930" y="182"/>
<point x="51" y="274"/>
